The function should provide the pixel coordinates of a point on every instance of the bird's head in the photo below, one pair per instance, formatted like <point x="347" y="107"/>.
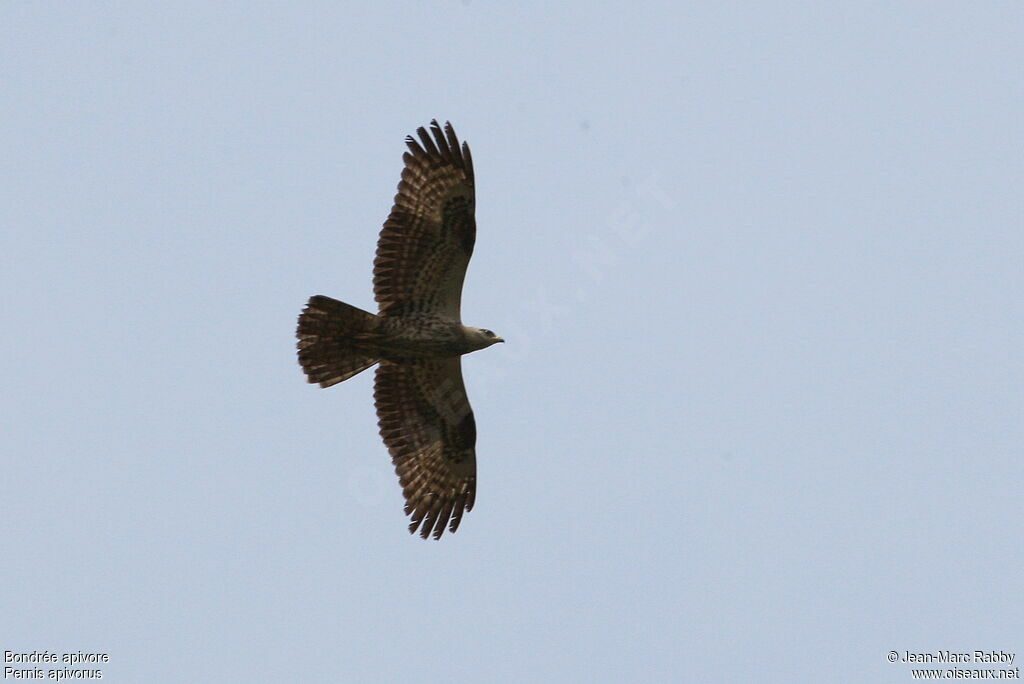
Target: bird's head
<point x="481" y="337"/>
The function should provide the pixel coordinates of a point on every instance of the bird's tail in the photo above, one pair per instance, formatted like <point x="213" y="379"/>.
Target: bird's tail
<point x="332" y="340"/>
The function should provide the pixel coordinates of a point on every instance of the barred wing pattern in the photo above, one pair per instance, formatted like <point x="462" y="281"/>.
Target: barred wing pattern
<point x="428" y="238"/>
<point x="428" y="427"/>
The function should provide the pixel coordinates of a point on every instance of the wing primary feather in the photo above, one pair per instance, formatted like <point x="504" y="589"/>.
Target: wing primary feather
<point x="443" y="516"/>
<point x="428" y="143"/>
<point x="411" y="143"/>
<point x="453" y="143"/>
<point x="431" y="518"/>
<point x="446" y="151"/>
<point x="467" y="160"/>
<point x="416" y="517"/>
<point x="459" y="505"/>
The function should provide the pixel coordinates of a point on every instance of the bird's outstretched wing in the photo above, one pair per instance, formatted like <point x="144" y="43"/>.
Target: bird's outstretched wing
<point x="428" y="427"/>
<point x="426" y="242"/>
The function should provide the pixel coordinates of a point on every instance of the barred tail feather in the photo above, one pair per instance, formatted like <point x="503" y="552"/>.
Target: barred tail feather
<point x="329" y="335"/>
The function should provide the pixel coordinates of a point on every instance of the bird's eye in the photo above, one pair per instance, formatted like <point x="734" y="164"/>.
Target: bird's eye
<point x="488" y="333"/>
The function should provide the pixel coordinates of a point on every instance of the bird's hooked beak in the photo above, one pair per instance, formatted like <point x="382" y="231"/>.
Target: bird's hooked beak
<point x="500" y="339"/>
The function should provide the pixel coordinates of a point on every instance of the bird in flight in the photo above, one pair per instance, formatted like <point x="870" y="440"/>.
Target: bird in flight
<point x="417" y="335"/>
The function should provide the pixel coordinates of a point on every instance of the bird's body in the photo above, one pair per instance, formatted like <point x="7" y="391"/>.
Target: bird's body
<point x="422" y="336"/>
<point x="417" y="335"/>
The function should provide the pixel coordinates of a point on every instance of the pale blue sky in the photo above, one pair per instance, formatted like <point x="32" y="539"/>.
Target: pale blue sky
<point x="760" y="414"/>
